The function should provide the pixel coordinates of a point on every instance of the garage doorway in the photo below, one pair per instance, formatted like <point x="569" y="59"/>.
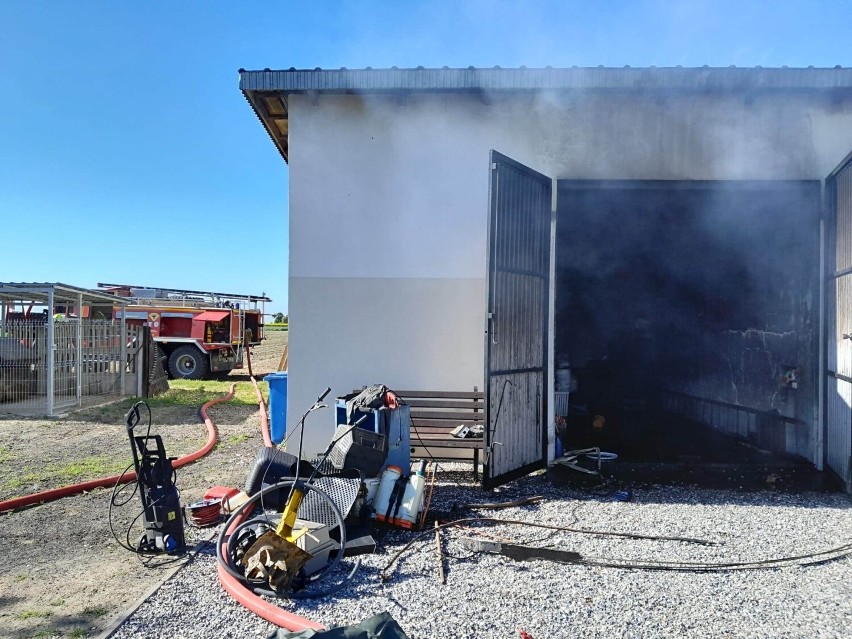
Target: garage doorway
<point x="687" y="317"/>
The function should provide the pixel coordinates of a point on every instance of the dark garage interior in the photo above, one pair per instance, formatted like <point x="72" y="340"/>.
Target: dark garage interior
<point x="687" y="318"/>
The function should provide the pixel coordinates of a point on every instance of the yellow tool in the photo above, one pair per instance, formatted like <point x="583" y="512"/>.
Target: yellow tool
<point x="289" y="516"/>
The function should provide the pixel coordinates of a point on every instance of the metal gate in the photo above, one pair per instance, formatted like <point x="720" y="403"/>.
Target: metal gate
<point x="838" y="436"/>
<point x="516" y="330"/>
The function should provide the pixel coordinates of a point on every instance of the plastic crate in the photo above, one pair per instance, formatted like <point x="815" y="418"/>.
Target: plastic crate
<point x="359" y="448"/>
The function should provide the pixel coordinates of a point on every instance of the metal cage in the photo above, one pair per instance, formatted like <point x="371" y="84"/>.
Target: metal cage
<point x="51" y="356"/>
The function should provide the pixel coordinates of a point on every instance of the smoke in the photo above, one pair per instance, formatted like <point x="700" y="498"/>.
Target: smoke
<point x="703" y="288"/>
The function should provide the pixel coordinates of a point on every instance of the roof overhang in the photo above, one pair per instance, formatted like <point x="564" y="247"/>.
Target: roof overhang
<point x="39" y="292"/>
<point x="267" y="91"/>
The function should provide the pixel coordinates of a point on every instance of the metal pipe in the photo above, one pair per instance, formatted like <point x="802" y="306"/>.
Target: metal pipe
<point x="49" y="347"/>
<point x="819" y="444"/>
<point x="123" y="363"/>
<point x="79" y="364"/>
<point x="551" y="337"/>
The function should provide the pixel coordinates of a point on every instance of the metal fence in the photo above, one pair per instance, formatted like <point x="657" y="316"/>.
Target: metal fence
<point x="88" y="358"/>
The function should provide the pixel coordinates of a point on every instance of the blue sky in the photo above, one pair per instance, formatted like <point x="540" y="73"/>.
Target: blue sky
<point x="128" y="154"/>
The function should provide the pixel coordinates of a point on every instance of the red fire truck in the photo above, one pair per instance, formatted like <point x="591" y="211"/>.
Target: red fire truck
<point x="199" y="334"/>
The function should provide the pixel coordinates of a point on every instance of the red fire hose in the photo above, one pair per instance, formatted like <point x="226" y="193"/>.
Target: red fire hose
<point x="260" y="606"/>
<point x="261" y="404"/>
<point x="108" y="482"/>
<point x="232" y="586"/>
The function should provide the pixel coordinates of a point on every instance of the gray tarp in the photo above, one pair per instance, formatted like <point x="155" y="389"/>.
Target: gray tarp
<point x="381" y="626"/>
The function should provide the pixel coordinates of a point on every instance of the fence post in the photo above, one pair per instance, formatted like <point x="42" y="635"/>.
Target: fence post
<point x="123" y="367"/>
<point x="50" y="353"/>
<point x="79" y="365"/>
<point x="140" y="359"/>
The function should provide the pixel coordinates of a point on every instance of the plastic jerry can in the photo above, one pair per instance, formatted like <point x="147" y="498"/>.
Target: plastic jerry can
<point x="383" y="493"/>
<point x="412" y="499"/>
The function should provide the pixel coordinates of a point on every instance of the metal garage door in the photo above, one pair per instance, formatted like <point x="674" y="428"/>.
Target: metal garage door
<point x="838" y="438"/>
<point x="516" y="333"/>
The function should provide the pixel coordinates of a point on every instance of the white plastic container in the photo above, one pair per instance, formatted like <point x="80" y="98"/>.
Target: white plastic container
<point x="382" y="499"/>
<point x="412" y="499"/>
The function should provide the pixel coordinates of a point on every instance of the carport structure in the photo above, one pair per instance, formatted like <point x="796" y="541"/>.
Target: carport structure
<point x="58" y="343"/>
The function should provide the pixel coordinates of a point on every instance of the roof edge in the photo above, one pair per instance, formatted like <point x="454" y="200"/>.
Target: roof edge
<point x="519" y="79"/>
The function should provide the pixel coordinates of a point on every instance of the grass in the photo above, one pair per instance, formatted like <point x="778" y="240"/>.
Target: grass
<point x="67" y="473"/>
<point x="94" y="611"/>
<point x="236" y="440"/>
<point x="5" y="454"/>
<point x="33" y="614"/>
<point x="77" y="633"/>
<point x="187" y="392"/>
<point x="57" y="602"/>
<point x="276" y="327"/>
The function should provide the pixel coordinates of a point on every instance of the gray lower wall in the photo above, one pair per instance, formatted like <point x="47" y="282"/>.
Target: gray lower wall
<point x="410" y="334"/>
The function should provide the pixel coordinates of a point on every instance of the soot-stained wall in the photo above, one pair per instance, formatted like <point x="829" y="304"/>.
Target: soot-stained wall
<point x="709" y="289"/>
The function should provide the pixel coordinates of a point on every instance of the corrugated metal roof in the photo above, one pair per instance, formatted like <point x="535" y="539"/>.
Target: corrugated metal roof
<point x="267" y="90"/>
<point x="523" y="79"/>
<point x="37" y="291"/>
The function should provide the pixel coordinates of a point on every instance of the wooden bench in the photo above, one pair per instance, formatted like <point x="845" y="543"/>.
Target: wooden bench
<point x="434" y="414"/>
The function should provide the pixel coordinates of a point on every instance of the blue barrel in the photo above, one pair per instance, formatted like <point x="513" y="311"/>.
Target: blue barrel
<point x="277" y="405"/>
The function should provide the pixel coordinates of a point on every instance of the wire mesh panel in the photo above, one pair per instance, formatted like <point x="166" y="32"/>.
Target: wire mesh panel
<point x="90" y="358"/>
<point x="23" y="380"/>
<point x="64" y="364"/>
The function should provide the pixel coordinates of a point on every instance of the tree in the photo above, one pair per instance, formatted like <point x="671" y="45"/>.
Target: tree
<point x="279" y="318"/>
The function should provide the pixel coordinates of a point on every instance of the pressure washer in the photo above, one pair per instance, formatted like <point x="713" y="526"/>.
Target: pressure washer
<point x="160" y="498"/>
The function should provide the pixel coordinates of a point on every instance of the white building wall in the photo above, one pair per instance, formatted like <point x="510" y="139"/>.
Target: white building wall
<point x="389" y="209"/>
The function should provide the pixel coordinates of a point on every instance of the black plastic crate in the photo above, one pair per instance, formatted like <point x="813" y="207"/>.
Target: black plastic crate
<point x="359" y="448"/>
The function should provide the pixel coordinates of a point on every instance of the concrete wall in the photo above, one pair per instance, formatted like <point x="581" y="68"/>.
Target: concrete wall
<point x="389" y="205"/>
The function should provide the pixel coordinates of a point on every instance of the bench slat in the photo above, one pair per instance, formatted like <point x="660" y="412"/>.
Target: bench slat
<point x="417" y="415"/>
<point x="439" y="403"/>
<point x="440" y="394"/>
<point x="439" y="441"/>
<point x="446" y="424"/>
<point x="435" y="430"/>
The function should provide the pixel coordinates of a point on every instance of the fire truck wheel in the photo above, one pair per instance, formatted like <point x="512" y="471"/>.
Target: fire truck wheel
<point x="187" y="362"/>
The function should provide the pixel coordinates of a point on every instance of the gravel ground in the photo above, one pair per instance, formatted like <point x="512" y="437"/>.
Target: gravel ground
<point x="489" y="596"/>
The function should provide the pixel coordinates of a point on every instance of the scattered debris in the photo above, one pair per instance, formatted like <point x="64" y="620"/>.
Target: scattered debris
<point x="506" y="504"/>
<point x="521" y="553"/>
<point x="442" y="577"/>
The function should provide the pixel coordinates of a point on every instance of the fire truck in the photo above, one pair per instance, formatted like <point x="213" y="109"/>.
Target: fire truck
<point x="199" y="334"/>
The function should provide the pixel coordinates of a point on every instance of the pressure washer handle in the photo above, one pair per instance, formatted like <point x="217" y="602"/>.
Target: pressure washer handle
<point x="132" y="418"/>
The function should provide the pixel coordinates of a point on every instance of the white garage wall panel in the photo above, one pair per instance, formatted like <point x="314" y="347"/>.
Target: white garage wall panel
<point x="389" y="205"/>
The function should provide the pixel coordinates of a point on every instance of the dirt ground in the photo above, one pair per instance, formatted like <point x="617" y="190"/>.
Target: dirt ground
<point x="63" y="573"/>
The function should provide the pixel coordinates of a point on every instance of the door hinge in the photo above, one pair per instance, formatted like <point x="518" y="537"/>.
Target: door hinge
<point x="493" y="166"/>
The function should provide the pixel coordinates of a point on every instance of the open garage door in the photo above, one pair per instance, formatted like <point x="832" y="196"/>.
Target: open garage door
<point x="516" y="333"/>
<point x="838" y="435"/>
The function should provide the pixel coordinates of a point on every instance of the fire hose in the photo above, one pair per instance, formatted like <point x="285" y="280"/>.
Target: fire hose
<point x="109" y="482"/>
<point x="261" y="405"/>
<point x="238" y="590"/>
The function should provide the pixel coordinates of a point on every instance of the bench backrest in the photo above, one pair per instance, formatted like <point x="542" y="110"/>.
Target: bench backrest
<point x="439" y="412"/>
